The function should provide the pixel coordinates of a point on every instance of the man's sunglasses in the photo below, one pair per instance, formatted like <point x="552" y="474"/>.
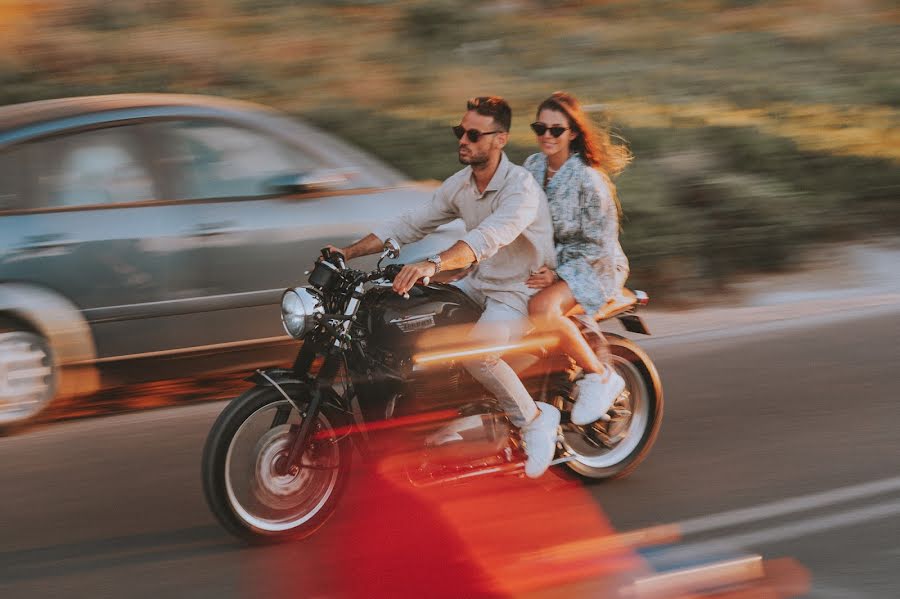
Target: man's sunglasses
<point x="473" y="134"/>
<point x="540" y="128"/>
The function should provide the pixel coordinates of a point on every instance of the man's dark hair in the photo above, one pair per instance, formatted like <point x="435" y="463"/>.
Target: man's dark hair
<point x="494" y="107"/>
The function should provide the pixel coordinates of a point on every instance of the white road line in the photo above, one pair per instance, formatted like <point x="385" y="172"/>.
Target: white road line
<point x="788" y="506"/>
<point x="787" y="532"/>
<point x="830" y="592"/>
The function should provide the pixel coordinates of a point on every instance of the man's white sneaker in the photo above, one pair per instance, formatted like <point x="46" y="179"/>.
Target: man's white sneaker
<point x="596" y="395"/>
<point x="540" y="440"/>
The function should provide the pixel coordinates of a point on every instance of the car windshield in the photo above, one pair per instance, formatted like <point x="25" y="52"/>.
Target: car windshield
<point x="368" y="170"/>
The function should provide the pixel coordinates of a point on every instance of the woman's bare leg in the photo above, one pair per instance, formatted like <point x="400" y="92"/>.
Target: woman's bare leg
<point x="548" y="309"/>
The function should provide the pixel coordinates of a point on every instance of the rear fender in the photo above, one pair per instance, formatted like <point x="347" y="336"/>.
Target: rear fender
<point x="644" y="363"/>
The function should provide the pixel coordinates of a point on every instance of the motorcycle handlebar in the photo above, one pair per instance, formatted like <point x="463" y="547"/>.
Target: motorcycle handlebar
<point x="336" y="259"/>
<point x="389" y="273"/>
<point x="391" y="270"/>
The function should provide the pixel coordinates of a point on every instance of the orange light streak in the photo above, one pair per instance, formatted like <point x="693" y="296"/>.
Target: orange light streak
<point x="388" y="424"/>
<point x="530" y="344"/>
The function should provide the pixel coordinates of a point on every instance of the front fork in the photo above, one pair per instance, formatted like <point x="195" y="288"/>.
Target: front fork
<point x="324" y="378"/>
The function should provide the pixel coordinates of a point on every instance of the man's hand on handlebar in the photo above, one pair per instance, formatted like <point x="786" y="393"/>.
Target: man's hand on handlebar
<point x="337" y="250"/>
<point x="411" y="273"/>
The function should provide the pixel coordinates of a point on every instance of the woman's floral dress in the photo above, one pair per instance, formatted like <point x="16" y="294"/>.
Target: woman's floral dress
<point x="586" y="230"/>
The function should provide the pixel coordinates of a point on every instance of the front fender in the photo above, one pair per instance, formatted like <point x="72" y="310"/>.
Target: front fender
<point x="65" y="328"/>
<point x="284" y="378"/>
<point x="280" y="376"/>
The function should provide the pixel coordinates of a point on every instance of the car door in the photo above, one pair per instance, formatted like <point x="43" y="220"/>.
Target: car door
<point x="255" y="242"/>
<point x="96" y="233"/>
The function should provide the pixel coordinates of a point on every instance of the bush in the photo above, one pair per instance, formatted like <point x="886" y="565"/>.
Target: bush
<point x="439" y="23"/>
<point x="113" y="15"/>
<point x="421" y="149"/>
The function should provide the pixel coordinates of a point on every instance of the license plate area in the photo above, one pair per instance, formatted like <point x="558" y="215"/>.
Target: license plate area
<point x="634" y="324"/>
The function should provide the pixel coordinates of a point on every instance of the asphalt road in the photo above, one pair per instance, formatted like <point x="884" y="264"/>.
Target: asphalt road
<point x="783" y="440"/>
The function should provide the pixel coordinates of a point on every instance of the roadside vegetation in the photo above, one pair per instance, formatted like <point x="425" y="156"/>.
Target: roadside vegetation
<point x="758" y="127"/>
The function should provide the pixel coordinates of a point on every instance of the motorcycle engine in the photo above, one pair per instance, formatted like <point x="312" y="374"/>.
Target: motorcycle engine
<point x="480" y="437"/>
<point x="436" y="389"/>
<point x="432" y="317"/>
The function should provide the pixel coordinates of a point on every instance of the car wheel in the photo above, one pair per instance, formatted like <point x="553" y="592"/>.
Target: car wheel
<point x="28" y="377"/>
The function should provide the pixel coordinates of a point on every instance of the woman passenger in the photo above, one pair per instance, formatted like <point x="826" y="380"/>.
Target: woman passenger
<point x="575" y="166"/>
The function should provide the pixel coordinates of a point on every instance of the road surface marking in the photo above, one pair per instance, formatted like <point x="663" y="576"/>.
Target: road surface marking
<point x="788" y="506"/>
<point x="787" y="532"/>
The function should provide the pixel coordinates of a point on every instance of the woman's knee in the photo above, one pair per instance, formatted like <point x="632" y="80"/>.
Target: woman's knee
<point x="544" y="305"/>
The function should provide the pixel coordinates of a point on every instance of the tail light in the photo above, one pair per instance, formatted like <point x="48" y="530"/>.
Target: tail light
<point x="642" y="298"/>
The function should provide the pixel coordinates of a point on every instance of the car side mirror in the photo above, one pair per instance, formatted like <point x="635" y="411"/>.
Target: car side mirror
<point x="315" y="180"/>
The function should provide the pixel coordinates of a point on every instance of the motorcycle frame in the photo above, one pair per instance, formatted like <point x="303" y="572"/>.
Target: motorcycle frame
<point x="318" y="388"/>
<point x="330" y="347"/>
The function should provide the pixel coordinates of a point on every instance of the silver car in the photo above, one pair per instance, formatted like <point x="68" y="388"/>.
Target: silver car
<point x="150" y="236"/>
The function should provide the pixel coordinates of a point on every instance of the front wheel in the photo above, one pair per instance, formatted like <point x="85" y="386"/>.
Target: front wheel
<point x="613" y="449"/>
<point x="243" y="478"/>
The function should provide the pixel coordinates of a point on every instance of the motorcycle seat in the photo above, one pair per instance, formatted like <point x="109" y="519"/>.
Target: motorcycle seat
<point x="622" y="302"/>
<point x="448" y="338"/>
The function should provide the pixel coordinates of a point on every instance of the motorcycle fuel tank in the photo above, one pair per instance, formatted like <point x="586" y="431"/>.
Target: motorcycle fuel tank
<point x="398" y="322"/>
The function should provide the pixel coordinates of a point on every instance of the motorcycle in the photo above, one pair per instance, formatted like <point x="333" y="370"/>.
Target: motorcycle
<point x="278" y="457"/>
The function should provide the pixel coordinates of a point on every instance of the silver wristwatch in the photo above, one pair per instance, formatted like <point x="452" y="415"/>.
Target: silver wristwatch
<point x="436" y="260"/>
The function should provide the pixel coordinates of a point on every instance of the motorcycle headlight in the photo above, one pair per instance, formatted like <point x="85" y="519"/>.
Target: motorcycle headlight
<point x="298" y="311"/>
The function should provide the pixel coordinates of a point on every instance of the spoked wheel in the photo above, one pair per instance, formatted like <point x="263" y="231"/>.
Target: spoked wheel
<point x="28" y="377"/>
<point x="614" y="448"/>
<point x="247" y="484"/>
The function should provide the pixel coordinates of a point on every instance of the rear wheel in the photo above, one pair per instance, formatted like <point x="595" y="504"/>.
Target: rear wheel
<point x="613" y="449"/>
<point x="244" y="480"/>
<point x="28" y="376"/>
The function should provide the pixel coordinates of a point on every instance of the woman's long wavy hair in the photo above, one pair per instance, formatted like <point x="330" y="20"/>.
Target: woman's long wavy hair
<point x="594" y="145"/>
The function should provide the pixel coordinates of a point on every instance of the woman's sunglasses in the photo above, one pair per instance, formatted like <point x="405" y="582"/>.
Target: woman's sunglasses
<point x="540" y="128"/>
<point x="473" y="134"/>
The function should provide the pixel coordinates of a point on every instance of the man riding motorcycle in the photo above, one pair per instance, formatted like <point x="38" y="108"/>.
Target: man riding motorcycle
<point x="509" y="236"/>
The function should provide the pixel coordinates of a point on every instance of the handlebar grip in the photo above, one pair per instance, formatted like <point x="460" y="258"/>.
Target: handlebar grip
<point x="392" y="270"/>
<point x="335" y="258"/>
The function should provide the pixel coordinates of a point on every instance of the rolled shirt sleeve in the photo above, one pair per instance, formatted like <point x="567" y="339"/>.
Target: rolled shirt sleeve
<point x="512" y="216"/>
<point x="416" y="223"/>
<point x="507" y="225"/>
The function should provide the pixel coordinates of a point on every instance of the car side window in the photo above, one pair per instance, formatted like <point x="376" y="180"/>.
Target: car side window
<point x="213" y="159"/>
<point x="94" y="167"/>
<point x="12" y="179"/>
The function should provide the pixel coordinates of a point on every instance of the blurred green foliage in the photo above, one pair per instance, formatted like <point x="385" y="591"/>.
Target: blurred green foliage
<point x="700" y="205"/>
<point x="438" y="22"/>
<point x="757" y="127"/>
<point x="109" y="15"/>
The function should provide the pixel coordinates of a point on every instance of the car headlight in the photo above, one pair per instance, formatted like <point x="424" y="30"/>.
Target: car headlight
<point x="298" y="311"/>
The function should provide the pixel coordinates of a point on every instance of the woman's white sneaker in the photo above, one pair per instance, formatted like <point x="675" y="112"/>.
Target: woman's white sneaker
<point x="596" y="395"/>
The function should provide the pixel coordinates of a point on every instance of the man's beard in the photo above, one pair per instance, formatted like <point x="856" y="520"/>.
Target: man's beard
<point x="473" y="159"/>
